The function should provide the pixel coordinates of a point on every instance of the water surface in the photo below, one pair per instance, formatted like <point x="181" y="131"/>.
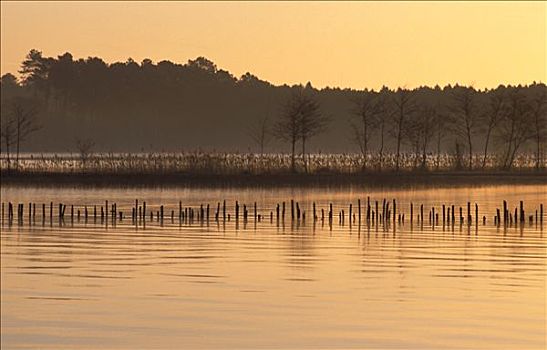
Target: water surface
<point x="273" y="284"/>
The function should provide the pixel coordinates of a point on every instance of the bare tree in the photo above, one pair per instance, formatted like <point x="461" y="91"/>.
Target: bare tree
<point x="426" y="122"/>
<point x="492" y="117"/>
<point x="539" y="121"/>
<point x="365" y="114"/>
<point x="404" y="107"/>
<point x="411" y="136"/>
<point x="287" y="127"/>
<point x="23" y="111"/>
<point x="7" y="136"/>
<point x="312" y="123"/>
<point x="259" y="132"/>
<point x="300" y="120"/>
<point x="383" y="115"/>
<point x="84" y="147"/>
<point x="515" y="127"/>
<point x="465" y="118"/>
<point x="440" y="132"/>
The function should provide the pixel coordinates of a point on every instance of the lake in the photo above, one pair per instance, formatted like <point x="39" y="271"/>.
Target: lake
<point x="272" y="283"/>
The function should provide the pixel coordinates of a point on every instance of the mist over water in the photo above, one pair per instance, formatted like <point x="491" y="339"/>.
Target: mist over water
<point x="273" y="284"/>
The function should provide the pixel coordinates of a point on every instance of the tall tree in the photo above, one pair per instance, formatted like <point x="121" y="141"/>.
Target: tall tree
<point x="287" y="127"/>
<point x="259" y="132"/>
<point x="440" y="131"/>
<point x="300" y="120"/>
<point x="465" y="118"/>
<point x="539" y="122"/>
<point x="7" y="136"/>
<point x="427" y="118"/>
<point x="492" y="117"/>
<point x="35" y="72"/>
<point x="515" y="128"/>
<point x="312" y="122"/>
<point x="365" y="118"/>
<point x="404" y="107"/>
<point x="23" y="112"/>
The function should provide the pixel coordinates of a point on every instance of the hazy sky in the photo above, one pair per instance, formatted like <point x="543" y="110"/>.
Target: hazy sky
<point x="364" y="44"/>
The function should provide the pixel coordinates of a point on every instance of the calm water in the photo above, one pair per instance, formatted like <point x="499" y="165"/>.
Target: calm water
<point x="269" y="285"/>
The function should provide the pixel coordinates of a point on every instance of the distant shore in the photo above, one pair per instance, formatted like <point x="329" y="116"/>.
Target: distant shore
<point x="372" y="179"/>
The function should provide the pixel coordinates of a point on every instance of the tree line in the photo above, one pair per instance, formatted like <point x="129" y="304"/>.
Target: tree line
<point x="59" y="101"/>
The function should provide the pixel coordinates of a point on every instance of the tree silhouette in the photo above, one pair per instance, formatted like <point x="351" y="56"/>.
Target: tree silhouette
<point x="299" y="121"/>
<point x="515" y="126"/>
<point x="259" y="132"/>
<point x="539" y="123"/>
<point x="492" y="117"/>
<point x="7" y="135"/>
<point x="84" y="147"/>
<point x="311" y="121"/>
<point x="199" y="105"/>
<point x="365" y="112"/>
<point x="404" y="106"/>
<point x="465" y="118"/>
<point x="23" y="113"/>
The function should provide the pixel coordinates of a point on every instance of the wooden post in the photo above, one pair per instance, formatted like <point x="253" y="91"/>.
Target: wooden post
<point x="292" y="209"/>
<point x="444" y="213"/>
<point x="237" y="211"/>
<point x="394" y="211"/>
<point x="411" y="213"/>
<point x="368" y="208"/>
<point x="476" y="214"/>
<point x="376" y="212"/>
<point x="359" y="209"/>
<point x="505" y="212"/>
<point x="516" y="216"/>
<point x="350" y="211"/>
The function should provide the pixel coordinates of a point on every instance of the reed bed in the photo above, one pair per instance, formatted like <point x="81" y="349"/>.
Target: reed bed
<point x="196" y="163"/>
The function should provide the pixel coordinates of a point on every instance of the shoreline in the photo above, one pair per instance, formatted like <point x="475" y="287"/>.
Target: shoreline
<point x="387" y="179"/>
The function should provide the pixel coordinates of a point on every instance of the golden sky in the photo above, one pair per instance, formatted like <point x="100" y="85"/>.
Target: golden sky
<point x="350" y="44"/>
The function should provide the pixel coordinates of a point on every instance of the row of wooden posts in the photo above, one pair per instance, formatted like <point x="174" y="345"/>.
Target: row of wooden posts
<point x="372" y="213"/>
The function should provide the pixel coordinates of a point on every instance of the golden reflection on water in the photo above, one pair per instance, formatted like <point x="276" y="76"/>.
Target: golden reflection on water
<point x="265" y="285"/>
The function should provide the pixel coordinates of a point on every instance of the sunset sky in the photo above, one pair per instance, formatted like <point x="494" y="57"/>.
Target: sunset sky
<point x="365" y="44"/>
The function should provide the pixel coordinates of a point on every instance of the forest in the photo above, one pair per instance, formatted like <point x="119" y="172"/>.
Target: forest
<point x="64" y="105"/>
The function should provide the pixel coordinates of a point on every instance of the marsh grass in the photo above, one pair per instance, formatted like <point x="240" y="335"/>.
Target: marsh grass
<point x="213" y="163"/>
